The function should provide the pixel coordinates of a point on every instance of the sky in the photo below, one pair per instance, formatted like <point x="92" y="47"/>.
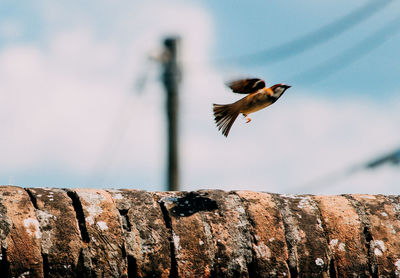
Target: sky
<point x="72" y="113"/>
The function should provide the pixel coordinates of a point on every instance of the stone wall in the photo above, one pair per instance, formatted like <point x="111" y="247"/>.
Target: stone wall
<point x="50" y="232"/>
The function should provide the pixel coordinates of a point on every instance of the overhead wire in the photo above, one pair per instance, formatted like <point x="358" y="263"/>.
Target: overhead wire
<point x="117" y="132"/>
<point x="301" y="44"/>
<point x="298" y="45"/>
<point x="333" y="178"/>
<point x="329" y="31"/>
<point x="349" y="56"/>
<point x="119" y="128"/>
<point x="292" y="48"/>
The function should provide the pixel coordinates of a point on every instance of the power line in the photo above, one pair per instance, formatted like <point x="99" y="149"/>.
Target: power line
<point x="312" y="39"/>
<point x="349" y="56"/>
<point x="300" y="45"/>
<point x="338" y="62"/>
<point x="307" y="41"/>
<point x="116" y="134"/>
<point x="392" y="157"/>
<point x="332" y="178"/>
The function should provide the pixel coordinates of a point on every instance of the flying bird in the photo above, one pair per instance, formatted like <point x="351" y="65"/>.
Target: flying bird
<point x="258" y="97"/>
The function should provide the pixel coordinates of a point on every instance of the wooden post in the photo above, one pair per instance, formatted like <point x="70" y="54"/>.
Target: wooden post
<point x="171" y="79"/>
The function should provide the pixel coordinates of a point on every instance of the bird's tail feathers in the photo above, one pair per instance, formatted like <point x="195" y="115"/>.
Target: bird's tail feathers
<point x="225" y="116"/>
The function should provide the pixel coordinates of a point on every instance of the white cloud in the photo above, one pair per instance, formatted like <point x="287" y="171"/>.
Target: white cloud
<point x="298" y="140"/>
<point x="70" y="103"/>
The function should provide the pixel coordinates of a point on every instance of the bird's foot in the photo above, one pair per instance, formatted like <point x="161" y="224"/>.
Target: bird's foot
<point x="248" y="120"/>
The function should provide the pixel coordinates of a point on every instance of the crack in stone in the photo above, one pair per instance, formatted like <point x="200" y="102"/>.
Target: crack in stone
<point x="252" y="266"/>
<point x="126" y="224"/>
<point x="332" y="267"/>
<point x="84" y="265"/>
<point x="366" y="225"/>
<point x="372" y="267"/>
<point x="32" y="198"/>
<point x="132" y="267"/>
<point x="4" y="263"/>
<point x="46" y="268"/>
<point x="45" y="258"/>
<point x="168" y="224"/>
<point x="80" y="216"/>
<point x="284" y="210"/>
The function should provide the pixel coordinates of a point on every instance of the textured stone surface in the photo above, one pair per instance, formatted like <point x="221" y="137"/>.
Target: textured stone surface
<point x="146" y="236"/>
<point x="305" y="236"/>
<point x="230" y="230"/>
<point x="346" y="237"/>
<point x="61" y="240"/>
<point x="191" y="236"/>
<point x="210" y="233"/>
<point x="48" y="232"/>
<point x="270" y="253"/>
<point x="384" y="233"/>
<point x="20" y="234"/>
<point x="104" y="252"/>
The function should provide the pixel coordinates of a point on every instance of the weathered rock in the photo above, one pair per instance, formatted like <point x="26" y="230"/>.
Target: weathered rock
<point x="61" y="240"/>
<point x="191" y="237"/>
<point x="207" y="233"/>
<point x="270" y="253"/>
<point x="103" y="253"/>
<point x="210" y="233"/>
<point x="345" y="235"/>
<point x="382" y="232"/>
<point x="20" y="235"/>
<point x="237" y="223"/>
<point x="305" y="236"/>
<point x="230" y="230"/>
<point x="146" y="236"/>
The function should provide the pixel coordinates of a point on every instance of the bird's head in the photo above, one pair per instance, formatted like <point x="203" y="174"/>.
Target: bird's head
<point x="279" y="89"/>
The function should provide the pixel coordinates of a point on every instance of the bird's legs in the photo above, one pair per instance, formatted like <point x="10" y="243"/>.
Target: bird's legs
<point x="248" y="120"/>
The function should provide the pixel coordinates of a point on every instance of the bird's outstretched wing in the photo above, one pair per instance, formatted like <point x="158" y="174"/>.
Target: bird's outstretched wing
<point x="246" y="86"/>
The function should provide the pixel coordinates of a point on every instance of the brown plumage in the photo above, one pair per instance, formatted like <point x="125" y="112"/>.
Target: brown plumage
<point x="258" y="97"/>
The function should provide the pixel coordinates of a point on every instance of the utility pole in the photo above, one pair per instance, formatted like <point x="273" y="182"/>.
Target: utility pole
<point x="171" y="77"/>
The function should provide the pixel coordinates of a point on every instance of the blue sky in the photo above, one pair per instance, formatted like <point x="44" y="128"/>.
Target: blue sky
<point x="252" y="27"/>
<point x="71" y="116"/>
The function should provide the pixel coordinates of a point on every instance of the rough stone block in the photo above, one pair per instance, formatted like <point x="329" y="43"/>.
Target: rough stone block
<point x="345" y="234"/>
<point x="270" y="253"/>
<point x="20" y="234"/>
<point x="102" y="234"/>
<point x="146" y="236"/>
<point x="61" y="240"/>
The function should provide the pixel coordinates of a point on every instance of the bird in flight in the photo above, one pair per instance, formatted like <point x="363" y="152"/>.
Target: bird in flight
<point x="258" y="97"/>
